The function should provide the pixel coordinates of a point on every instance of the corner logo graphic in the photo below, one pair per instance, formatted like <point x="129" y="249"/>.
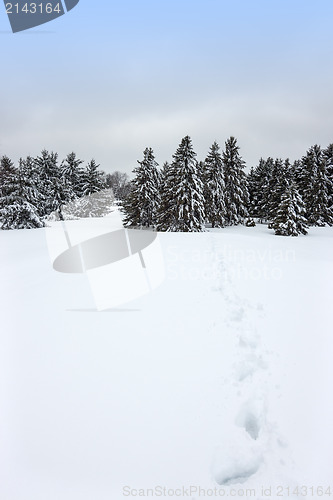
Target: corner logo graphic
<point x="25" y="15"/>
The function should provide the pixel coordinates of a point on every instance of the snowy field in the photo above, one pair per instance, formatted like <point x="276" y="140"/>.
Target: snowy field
<point x="220" y="378"/>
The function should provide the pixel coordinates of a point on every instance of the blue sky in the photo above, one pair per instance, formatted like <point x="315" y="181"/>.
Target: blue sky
<point x="110" y="78"/>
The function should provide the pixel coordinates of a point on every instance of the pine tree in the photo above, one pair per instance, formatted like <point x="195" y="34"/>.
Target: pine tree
<point x="293" y="170"/>
<point x="265" y="186"/>
<point x="28" y="178"/>
<point x="277" y="185"/>
<point x="306" y="172"/>
<point x="39" y="188"/>
<point x="20" y="215"/>
<point x="16" y="210"/>
<point x="290" y="218"/>
<point x="140" y="207"/>
<point x="320" y="213"/>
<point x="314" y="185"/>
<point x="202" y="172"/>
<point x="328" y="156"/>
<point x="252" y="186"/>
<point x="73" y="174"/>
<point x="259" y="189"/>
<point x="166" y="211"/>
<point x="8" y="182"/>
<point x="53" y="191"/>
<point x="183" y="201"/>
<point x="164" y="170"/>
<point x="214" y="187"/>
<point x="236" y="192"/>
<point x="92" y="179"/>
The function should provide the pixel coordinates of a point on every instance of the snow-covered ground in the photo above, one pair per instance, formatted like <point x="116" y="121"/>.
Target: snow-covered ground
<point x="220" y="378"/>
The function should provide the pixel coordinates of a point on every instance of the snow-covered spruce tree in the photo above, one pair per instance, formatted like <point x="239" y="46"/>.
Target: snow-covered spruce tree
<point x="183" y="201"/>
<point x="328" y="155"/>
<point x="277" y="185"/>
<point x="314" y="185"/>
<point x="92" y="179"/>
<point x="252" y="182"/>
<point x="293" y="170"/>
<point x="16" y="211"/>
<point x="8" y="181"/>
<point x="28" y="178"/>
<point x="306" y="171"/>
<point x="20" y="215"/>
<point x="258" y="186"/>
<point x="290" y="218"/>
<point x="140" y="207"/>
<point x="265" y="186"/>
<point x="164" y="176"/>
<point x="202" y="171"/>
<point x="320" y="212"/>
<point x="54" y="192"/>
<point x="166" y="212"/>
<point x="164" y="170"/>
<point x="73" y="174"/>
<point x="92" y="198"/>
<point x="214" y="187"/>
<point x="236" y="192"/>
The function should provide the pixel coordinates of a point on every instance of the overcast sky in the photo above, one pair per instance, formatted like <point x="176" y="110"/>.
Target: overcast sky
<point x="110" y="78"/>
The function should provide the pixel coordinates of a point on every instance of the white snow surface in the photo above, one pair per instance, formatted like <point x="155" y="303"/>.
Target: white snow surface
<point x="220" y="378"/>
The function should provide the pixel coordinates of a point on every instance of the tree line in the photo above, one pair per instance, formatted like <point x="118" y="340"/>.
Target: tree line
<point x="187" y="195"/>
<point x="184" y="195"/>
<point x="40" y="186"/>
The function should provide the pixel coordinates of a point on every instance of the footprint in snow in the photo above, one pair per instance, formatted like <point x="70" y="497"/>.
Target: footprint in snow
<point x="237" y="458"/>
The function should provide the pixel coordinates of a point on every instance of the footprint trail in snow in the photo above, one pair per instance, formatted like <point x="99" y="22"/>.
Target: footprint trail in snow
<point x="250" y="448"/>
